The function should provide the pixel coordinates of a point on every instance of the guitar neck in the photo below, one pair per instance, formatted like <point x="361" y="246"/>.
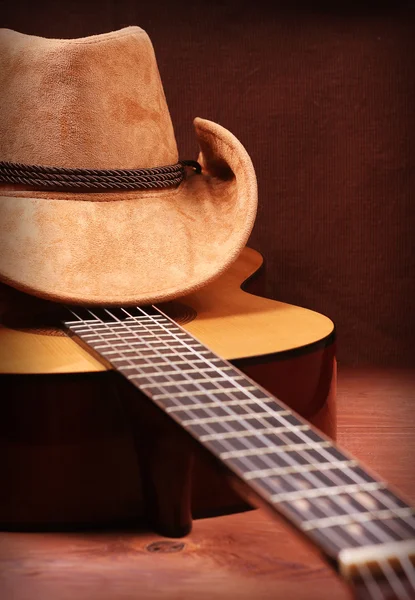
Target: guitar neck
<point x="291" y="466"/>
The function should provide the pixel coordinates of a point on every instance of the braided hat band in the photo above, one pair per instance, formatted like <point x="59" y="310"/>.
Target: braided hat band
<point x="96" y="179"/>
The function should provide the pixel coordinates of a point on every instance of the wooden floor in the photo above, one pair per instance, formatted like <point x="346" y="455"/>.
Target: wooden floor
<point x="245" y="556"/>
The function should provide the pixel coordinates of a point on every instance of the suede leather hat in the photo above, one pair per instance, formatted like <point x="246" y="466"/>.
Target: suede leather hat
<point x="97" y="104"/>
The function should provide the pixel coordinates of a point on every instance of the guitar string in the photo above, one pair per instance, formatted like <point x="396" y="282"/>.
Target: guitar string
<point x="187" y="346"/>
<point x="409" y="570"/>
<point x="329" y="535"/>
<point x="370" y="582"/>
<point x="393" y="579"/>
<point x="389" y="574"/>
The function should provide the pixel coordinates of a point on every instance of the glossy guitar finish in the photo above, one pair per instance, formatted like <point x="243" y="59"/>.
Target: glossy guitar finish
<point x="68" y="453"/>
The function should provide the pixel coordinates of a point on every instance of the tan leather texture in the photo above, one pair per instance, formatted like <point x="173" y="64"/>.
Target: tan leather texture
<point x="98" y="103"/>
<point x="94" y="102"/>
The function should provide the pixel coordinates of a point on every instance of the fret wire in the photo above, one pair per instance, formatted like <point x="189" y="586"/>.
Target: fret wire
<point x="327" y="491"/>
<point x="111" y="330"/>
<point x="176" y="372"/>
<point x="243" y="434"/>
<point x="102" y="325"/>
<point x="122" y="328"/>
<point x="73" y="323"/>
<point x="192" y="371"/>
<point x="183" y="382"/>
<point x="138" y="367"/>
<point x="270" y="450"/>
<point x="184" y="371"/>
<point x="201" y="405"/>
<point x="135" y="345"/>
<point x="206" y="380"/>
<point x="356" y="517"/>
<point x="185" y="394"/>
<point x="134" y="351"/>
<point x="161" y="335"/>
<point x="160" y="364"/>
<point x="153" y="355"/>
<point x="408" y="569"/>
<point x="275" y="471"/>
<point x="233" y="417"/>
<point x="393" y="579"/>
<point x="288" y="427"/>
<point x="170" y="362"/>
<point x="371" y="585"/>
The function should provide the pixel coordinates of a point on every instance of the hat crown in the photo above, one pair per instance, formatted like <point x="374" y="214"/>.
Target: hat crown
<point x="94" y="102"/>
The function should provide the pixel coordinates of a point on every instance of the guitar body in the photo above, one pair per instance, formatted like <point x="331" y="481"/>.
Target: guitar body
<point x="71" y="457"/>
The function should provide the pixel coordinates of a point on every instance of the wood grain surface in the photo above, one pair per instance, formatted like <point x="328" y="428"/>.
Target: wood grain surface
<point x="248" y="556"/>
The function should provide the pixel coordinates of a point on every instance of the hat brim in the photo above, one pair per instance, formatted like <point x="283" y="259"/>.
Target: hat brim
<point x="132" y="247"/>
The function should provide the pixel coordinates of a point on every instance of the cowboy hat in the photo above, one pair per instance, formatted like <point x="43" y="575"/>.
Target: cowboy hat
<point x="95" y="206"/>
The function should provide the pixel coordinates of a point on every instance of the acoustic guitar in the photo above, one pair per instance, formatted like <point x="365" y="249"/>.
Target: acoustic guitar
<point x="223" y="401"/>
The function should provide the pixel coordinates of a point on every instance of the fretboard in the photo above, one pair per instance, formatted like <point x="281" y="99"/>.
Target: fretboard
<point x="318" y="487"/>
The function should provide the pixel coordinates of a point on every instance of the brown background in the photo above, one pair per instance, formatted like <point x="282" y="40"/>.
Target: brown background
<point x="324" y="101"/>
